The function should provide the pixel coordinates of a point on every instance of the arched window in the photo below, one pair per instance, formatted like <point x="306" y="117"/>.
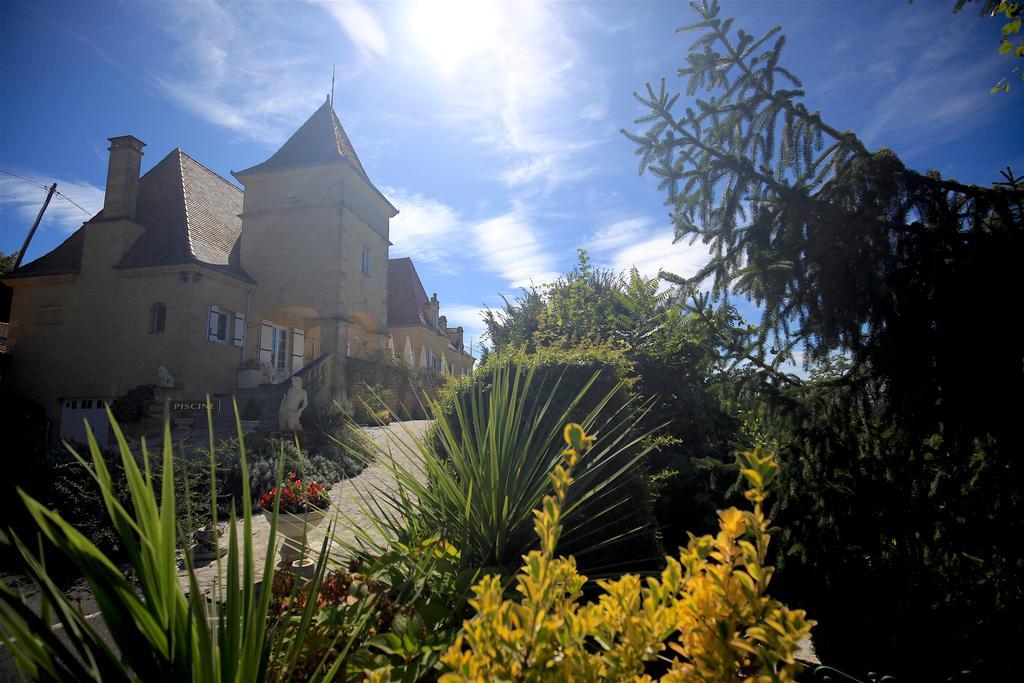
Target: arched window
<point x="157" y="318"/>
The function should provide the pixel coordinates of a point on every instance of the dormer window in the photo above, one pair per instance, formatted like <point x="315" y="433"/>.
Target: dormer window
<point x="157" y="318"/>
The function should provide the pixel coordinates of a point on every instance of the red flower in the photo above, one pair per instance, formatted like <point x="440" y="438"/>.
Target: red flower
<point x="296" y="497"/>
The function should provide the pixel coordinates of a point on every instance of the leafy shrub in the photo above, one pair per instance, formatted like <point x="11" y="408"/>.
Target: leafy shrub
<point x="60" y="481"/>
<point x="252" y="411"/>
<point x="665" y="351"/>
<point x="346" y="611"/>
<point x="132" y="406"/>
<point x="324" y="468"/>
<point x="710" y="607"/>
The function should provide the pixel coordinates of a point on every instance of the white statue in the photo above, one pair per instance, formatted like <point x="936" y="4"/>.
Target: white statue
<point x="292" y="405"/>
<point x="164" y="378"/>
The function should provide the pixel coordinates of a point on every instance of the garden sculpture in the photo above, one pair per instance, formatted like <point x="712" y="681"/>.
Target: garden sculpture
<point x="292" y="405"/>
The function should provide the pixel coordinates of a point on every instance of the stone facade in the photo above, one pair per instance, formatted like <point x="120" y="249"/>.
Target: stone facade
<point x="223" y="287"/>
<point x="420" y="335"/>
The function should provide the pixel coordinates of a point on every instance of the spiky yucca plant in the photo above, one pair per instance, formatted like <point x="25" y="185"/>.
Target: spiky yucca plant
<point x="157" y="630"/>
<point x="477" y="481"/>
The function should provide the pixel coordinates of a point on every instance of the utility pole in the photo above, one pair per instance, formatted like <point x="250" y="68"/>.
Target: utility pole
<point x="32" y="231"/>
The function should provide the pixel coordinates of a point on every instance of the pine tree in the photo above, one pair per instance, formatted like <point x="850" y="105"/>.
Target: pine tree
<point x="896" y="282"/>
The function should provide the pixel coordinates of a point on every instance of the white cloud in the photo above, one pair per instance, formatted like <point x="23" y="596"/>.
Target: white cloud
<point x="362" y="27"/>
<point x="425" y="229"/>
<point x="639" y="242"/>
<point x="464" y="315"/>
<point x="242" y="67"/>
<point x="24" y="200"/>
<point x="619" y="234"/>
<point x="658" y="253"/>
<point x="531" y="97"/>
<point x="508" y="245"/>
<point x="470" y="319"/>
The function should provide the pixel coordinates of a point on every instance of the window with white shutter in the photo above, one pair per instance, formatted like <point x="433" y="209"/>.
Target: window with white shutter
<point x="217" y="327"/>
<point x="238" y="338"/>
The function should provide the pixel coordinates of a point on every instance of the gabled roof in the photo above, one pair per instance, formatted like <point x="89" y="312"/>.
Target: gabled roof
<point x="406" y="296"/>
<point x="189" y="215"/>
<point x="320" y="140"/>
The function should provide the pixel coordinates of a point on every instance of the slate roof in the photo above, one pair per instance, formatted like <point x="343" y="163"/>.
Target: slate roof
<point x="408" y="302"/>
<point x="320" y="140"/>
<point x="190" y="215"/>
<point x="406" y="296"/>
<point x="65" y="258"/>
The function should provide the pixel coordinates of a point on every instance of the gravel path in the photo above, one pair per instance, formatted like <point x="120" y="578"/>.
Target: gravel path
<point x="393" y="443"/>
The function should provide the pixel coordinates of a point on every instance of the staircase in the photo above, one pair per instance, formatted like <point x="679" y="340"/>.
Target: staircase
<point x="267" y="397"/>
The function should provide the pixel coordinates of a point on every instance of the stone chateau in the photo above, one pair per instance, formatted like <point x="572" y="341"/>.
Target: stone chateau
<point x="187" y="282"/>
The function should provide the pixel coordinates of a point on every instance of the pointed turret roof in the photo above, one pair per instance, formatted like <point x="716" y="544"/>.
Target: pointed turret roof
<point x="320" y="140"/>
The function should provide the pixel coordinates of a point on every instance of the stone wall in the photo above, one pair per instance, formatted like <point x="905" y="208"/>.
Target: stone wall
<point x="97" y="343"/>
<point x="403" y="392"/>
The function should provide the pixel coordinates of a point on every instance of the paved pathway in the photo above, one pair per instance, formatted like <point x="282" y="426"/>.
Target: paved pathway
<point x="392" y="443"/>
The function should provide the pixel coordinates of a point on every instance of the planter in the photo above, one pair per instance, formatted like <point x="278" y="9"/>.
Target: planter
<point x="293" y="530"/>
<point x="184" y="421"/>
<point x="249" y="379"/>
<point x="249" y="425"/>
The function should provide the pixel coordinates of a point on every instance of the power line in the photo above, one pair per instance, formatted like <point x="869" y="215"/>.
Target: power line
<point x="21" y="177"/>
<point x="60" y="194"/>
<point x="84" y="210"/>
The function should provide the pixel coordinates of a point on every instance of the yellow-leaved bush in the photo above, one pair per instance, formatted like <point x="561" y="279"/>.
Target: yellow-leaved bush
<point x="707" y="618"/>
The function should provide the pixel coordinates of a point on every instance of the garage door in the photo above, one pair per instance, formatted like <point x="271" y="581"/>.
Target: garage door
<point x="74" y="414"/>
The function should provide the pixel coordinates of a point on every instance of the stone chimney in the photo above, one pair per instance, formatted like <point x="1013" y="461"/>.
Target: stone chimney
<point x="123" y="178"/>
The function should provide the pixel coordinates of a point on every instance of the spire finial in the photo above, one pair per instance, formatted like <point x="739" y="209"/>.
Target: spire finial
<point x="332" y="85"/>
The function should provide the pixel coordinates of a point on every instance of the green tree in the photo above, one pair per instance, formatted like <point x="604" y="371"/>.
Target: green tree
<point x="7" y="262"/>
<point x="1012" y="41"/>
<point x="676" y="357"/>
<point x="891" y="280"/>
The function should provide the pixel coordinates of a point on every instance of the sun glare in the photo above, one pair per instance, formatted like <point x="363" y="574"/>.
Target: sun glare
<point x="451" y="31"/>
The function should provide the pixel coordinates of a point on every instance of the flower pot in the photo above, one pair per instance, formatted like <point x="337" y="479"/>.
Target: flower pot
<point x="249" y="425"/>
<point x="293" y="530"/>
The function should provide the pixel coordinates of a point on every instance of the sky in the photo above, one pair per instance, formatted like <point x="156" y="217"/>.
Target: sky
<point x="493" y="127"/>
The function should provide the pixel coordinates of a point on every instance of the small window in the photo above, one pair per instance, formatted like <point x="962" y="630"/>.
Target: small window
<point x="157" y="318"/>
<point x="219" y="323"/>
<point x="367" y="262"/>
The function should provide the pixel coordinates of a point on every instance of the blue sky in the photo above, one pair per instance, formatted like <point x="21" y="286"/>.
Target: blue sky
<point x="494" y="128"/>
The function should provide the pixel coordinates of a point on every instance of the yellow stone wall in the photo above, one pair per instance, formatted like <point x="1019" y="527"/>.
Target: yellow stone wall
<point x="102" y="347"/>
<point x="422" y="336"/>
<point x="303" y="237"/>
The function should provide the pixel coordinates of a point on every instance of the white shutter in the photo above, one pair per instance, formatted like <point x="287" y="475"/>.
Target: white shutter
<point x="211" y="324"/>
<point x="266" y="355"/>
<point x="298" y="349"/>
<point x="239" y="338"/>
